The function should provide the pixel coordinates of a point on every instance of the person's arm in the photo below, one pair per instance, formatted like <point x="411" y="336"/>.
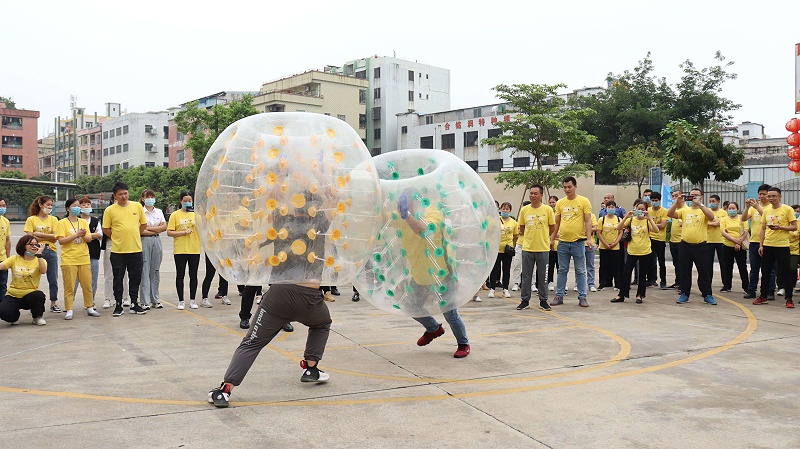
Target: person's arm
<point x="587" y="222"/>
<point x="761" y="239"/>
<point x="600" y="237"/>
<point x="554" y="231"/>
<point x="69" y="238"/>
<point x="42" y="262"/>
<point x="515" y="234"/>
<point x="107" y="232"/>
<point x="621" y="224"/>
<point x="673" y="210"/>
<point x="707" y="212"/>
<point x="661" y="226"/>
<point x="728" y="236"/>
<point x="8" y="245"/>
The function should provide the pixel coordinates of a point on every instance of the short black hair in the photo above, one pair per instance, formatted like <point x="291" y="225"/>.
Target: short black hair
<point x="764" y="187"/>
<point x="648" y="190"/>
<point x="23" y="241"/>
<point x="655" y="196"/>
<point x="696" y="188"/>
<point x="775" y="189"/>
<point x="611" y="203"/>
<point x="570" y="179"/>
<point x="538" y="186"/>
<point x="716" y="197"/>
<point x="119" y="186"/>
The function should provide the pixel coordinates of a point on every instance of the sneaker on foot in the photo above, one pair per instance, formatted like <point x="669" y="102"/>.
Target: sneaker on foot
<point x="725" y="290"/>
<point x="158" y="306"/>
<point x="39" y="321"/>
<point x="760" y="300"/>
<point x="288" y="327"/>
<point x="490" y="294"/>
<point x="126" y="303"/>
<point x="68" y="315"/>
<point x="749" y="295"/>
<point x="682" y="299"/>
<point x="524" y="305"/>
<point x="506" y="294"/>
<point x="593" y="289"/>
<point x="557" y="301"/>
<point x="477" y="298"/>
<point x="356" y="297"/>
<point x="92" y="312"/>
<point x="335" y="291"/>
<point x="328" y="297"/>
<point x="55" y="309"/>
<point x="575" y="288"/>
<point x="146" y="306"/>
<point x="583" y="302"/>
<point x="136" y="309"/>
<point x="205" y="303"/>
<point x="544" y="305"/>
<point x="780" y="292"/>
<point x="551" y="287"/>
<point x="226" y="301"/>
<point x="313" y="374"/>
<point x="789" y="304"/>
<point x="461" y="352"/>
<point x="118" y="310"/>
<point x="515" y="287"/>
<point x="244" y="324"/>
<point x="107" y="304"/>
<point x="663" y="286"/>
<point x="428" y="337"/>
<point x="220" y="396"/>
<point x="193" y="304"/>
<point x="181" y="305"/>
<point x="710" y="300"/>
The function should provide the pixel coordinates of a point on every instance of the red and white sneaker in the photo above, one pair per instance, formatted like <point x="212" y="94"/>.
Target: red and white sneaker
<point x="219" y="396"/>
<point x="789" y="304"/>
<point x="461" y="352"/>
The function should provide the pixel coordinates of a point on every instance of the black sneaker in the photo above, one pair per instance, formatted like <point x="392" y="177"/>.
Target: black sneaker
<point x="288" y="327"/>
<point x="313" y="374"/>
<point x="118" y="310"/>
<point x="335" y="291"/>
<point x="544" y="305"/>
<point x="219" y="396"/>
<point x="55" y="309"/>
<point x="663" y="286"/>
<point x="524" y="305"/>
<point x="244" y="324"/>
<point x="356" y="297"/>
<point x="136" y="309"/>
<point x="749" y="295"/>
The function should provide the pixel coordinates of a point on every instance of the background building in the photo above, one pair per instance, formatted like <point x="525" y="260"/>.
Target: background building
<point x="135" y="139"/>
<point x="19" y="148"/>
<point x="71" y="155"/>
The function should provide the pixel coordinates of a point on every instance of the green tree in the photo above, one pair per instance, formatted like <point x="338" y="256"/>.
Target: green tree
<point x="21" y="195"/>
<point x="10" y="104"/>
<point x="548" y="178"/>
<point x="634" y="163"/>
<point x="694" y="154"/>
<point x="202" y="126"/>
<point x="698" y="98"/>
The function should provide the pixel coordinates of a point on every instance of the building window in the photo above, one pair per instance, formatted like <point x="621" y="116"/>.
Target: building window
<point x="426" y="142"/>
<point x="746" y="132"/>
<point x="166" y="132"/>
<point x="179" y="155"/>
<point x="473" y="164"/>
<point x="362" y="96"/>
<point x="341" y="117"/>
<point x="12" y="142"/>
<point x="495" y="132"/>
<point x="428" y="119"/>
<point x="119" y="131"/>
<point x="12" y="122"/>
<point x="550" y="161"/>
<point x="476" y="112"/>
<point x="166" y="150"/>
<point x="105" y="151"/>
<point x="12" y="161"/>
<point x="120" y="148"/>
<point x="362" y="74"/>
<point x="404" y="130"/>
<point x="105" y="134"/>
<point x="150" y="164"/>
<point x="125" y="165"/>
<point x="410" y="95"/>
<point x="411" y="75"/>
<point x="495" y="165"/>
<point x="362" y="121"/>
<point x="377" y="134"/>
<point x="522" y="161"/>
<point x="376" y="72"/>
<point x="376" y="113"/>
<point x="105" y="169"/>
<point x="376" y="93"/>
<point x="448" y="141"/>
<point x="125" y="129"/>
<point x="471" y="138"/>
<point x="166" y="164"/>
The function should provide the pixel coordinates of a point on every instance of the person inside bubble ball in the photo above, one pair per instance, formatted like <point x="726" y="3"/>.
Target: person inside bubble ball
<point x="284" y="303"/>
<point x="414" y="224"/>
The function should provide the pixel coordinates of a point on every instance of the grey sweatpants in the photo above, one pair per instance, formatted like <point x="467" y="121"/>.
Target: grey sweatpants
<point x="529" y="259"/>
<point x="281" y="304"/>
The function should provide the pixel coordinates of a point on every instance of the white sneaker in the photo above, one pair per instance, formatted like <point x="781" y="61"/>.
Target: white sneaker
<point x="477" y="298"/>
<point x="204" y="302"/>
<point x="107" y="304"/>
<point x="39" y="321"/>
<point x="181" y="305"/>
<point x="593" y="288"/>
<point x="506" y="294"/>
<point x="91" y="312"/>
<point x="193" y="304"/>
<point x="575" y="289"/>
<point x="780" y="292"/>
<point x="551" y="287"/>
<point x="515" y="287"/>
<point x="126" y="302"/>
<point x="491" y="293"/>
<point x="226" y="301"/>
<point x="68" y="315"/>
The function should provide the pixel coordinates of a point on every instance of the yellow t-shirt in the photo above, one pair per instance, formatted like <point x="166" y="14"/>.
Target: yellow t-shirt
<point x="572" y="227"/>
<point x="124" y="223"/>
<point x="714" y="232"/>
<point x="640" y="236"/>
<point x="794" y="243"/>
<point x="781" y="216"/>
<point x="676" y="230"/>
<point x="46" y="226"/>
<point x="5" y="231"/>
<point x="77" y="251"/>
<point x="537" y="222"/>
<point x="426" y="267"/>
<point x="25" y="275"/>
<point x="508" y="229"/>
<point x="733" y="226"/>
<point x="659" y="216"/>
<point x="755" y="224"/>
<point x="181" y="220"/>
<point x="695" y="225"/>
<point x="594" y="228"/>
<point x="609" y="231"/>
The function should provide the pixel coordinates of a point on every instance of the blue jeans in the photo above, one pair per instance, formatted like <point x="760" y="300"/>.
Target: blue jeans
<point x="590" y="265"/>
<point x="52" y="271"/>
<point x="455" y="322"/>
<point x="577" y="251"/>
<point x="755" y="271"/>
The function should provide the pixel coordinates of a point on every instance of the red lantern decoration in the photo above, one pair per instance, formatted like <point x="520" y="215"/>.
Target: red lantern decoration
<point x="794" y="153"/>
<point x="793" y="125"/>
<point x="793" y="139"/>
<point x="794" y="166"/>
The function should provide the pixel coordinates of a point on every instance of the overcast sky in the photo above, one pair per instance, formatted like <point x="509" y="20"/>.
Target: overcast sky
<point x="150" y="55"/>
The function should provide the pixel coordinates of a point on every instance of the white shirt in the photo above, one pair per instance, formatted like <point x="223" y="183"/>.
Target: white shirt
<point x="154" y="218"/>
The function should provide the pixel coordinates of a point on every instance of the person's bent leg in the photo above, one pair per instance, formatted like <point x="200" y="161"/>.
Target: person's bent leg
<point x="3" y="283"/>
<point x="34" y="301"/>
<point x="264" y="329"/>
<point x="9" y="309"/>
<point x="210" y="273"/>
<point x="429" y="323"/>
<point x="457" y="326"/>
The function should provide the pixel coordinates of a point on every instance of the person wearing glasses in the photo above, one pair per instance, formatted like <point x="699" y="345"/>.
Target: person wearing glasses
<point x="26" y="268"/>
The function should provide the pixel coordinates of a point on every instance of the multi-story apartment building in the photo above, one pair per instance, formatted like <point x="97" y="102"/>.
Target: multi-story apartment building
<point x="135" y="139"/>
<point x="397" y="86"/>
<point x="324" y="92"/>
<point x="47" y="156"/>
<point x="74" y="144"/>
<point x="90" y="150"/>
<point x="19" y="149"/>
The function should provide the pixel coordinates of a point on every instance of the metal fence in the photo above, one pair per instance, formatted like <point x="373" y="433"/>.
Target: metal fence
<point x="790" y="190"/>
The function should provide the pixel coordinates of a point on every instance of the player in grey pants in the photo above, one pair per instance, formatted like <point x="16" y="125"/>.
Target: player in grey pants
<point x="540" y="260"/>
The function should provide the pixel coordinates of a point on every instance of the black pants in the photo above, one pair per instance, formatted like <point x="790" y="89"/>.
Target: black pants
<point x="712" y="249"/>
<point x="784" y="271"/>
<point x="674" y="249"/>
<point x="132" y="263"/>
<point x="210" y="272"/>
<point x="503" y="262"/>
<point x="641" y="287"/>
<point x="696" y="254"/>
<point x="181" y="260"/>
<point x="282" y="304"/>
<point x="10" y="306"/>
<point x="729" y="255"/>
<point x="611" y="264"/>
<point x="552" y="264"/>
<point x="659" y="249"/>
<point x="249" y="293"/>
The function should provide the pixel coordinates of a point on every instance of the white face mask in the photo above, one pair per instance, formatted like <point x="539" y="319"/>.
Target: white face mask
<point x="47" y="210"/>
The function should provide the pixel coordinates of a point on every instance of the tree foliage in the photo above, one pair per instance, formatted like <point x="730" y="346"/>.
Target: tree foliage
<point x="633" y="164"/>
<point x="10" y="104"/>
<point x="203" y="126"/>
<point x="22" y="195"/>
<point x="548" y="178"/>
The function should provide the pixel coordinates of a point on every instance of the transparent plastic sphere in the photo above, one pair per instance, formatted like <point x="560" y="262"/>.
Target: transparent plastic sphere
<point x="439" y="235"/>
<point x="288" y="198"/>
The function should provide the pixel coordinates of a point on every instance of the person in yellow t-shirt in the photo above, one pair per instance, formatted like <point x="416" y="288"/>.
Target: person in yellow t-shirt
<point x="124" y="222"/>
<point x="715" y="239"/>
<point x="5" y="246"/>
<point x="752" y="212"/>
<point x="611" y="257"/>
<point x="26" y="267"/>
<point x="777" y="221"/>
<point x="574" y="228"/>
<point x="536" y="224"/>
<point x="658" y="237"/>
<point x="674" y="244"/>
<point x="552" y="257"/>
<point x="735" y="234"/>
<point x="641" y="225"/>
<point x="182" y="227"/>
<point x="509" y="232"/>
<point x="73" y="234"/>
<point x="42" y="225"/>
<point x="693" y="246"/>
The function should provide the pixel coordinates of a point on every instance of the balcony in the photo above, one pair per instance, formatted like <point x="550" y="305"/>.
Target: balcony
<point x="12" y="125"/>
<point x="12" y="145"/>
<point x="285" y="97"/>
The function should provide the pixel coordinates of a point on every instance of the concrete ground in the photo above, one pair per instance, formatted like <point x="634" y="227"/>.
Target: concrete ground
<point x="658" y="375"/>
